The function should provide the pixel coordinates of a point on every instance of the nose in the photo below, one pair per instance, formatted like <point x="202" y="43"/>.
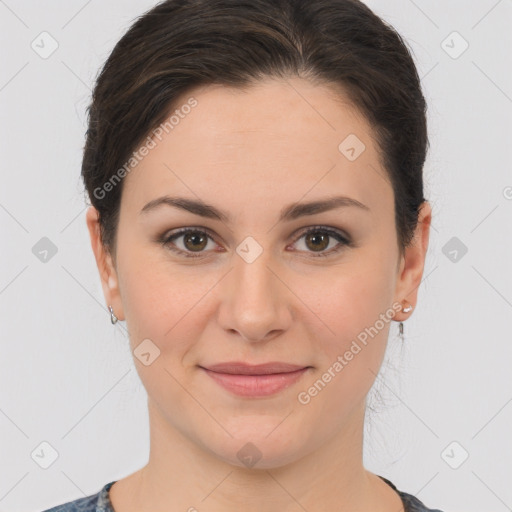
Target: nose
<point x="255" y="300"/>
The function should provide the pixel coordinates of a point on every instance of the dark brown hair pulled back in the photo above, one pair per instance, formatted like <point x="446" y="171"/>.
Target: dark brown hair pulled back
<point x="180" y="44"/>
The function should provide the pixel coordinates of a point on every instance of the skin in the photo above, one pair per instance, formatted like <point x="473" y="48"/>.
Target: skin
<point x="251" y="153"/>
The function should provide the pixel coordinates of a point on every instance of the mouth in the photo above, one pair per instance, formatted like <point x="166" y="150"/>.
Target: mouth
<point x="255" y="380"/>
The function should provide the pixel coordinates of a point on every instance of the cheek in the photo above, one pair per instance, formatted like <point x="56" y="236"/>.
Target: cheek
<point x="352" y="298"/>
<point x="349" y="360"/>
<point x="356" y="314"/>
<point x="165" y="303"/>
<point x="162" y="306"/>
<point x="155" y="296"/>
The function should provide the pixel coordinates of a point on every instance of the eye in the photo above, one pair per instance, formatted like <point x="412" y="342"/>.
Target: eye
<point x="318" y="238"/>
<point x="195" y="240"/>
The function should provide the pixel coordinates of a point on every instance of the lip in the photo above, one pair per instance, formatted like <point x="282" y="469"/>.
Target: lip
<point x="255" y="380"/>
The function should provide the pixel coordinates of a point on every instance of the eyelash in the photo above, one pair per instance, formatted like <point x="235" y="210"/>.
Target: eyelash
<point x="166" y="240"/>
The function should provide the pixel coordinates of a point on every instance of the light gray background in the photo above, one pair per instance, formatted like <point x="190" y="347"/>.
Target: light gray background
<point x="67" y="375"/>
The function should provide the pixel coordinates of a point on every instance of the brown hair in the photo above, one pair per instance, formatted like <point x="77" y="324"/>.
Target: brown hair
<point x="180" y="44"/>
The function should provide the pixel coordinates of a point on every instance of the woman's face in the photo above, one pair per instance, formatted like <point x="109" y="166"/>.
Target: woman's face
<point x="253" y="286"/>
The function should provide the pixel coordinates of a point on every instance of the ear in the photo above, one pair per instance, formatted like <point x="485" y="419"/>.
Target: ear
<point x="413" y="263"/>
<point x="106" y="267"/>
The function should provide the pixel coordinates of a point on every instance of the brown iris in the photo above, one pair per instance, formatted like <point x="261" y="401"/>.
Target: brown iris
<point x="198" y="240"/>
<point x="320" y="241"/>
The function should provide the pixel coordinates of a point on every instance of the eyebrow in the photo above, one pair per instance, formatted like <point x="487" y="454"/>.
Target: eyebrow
<point x="291" y="212"/>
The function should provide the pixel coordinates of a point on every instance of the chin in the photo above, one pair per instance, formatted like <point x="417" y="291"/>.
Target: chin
<point x="264" y="444"/>
<point x="257" y="456"/>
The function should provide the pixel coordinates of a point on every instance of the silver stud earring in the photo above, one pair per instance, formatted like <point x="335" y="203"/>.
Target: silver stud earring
<point x="113" y="317"/>
<point x="401" y="324"/>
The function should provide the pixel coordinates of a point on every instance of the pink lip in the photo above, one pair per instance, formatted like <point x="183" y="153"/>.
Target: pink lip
<point x="255" y="380"/>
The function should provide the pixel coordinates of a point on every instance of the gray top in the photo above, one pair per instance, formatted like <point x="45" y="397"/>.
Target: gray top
<point x="100" y="502"/>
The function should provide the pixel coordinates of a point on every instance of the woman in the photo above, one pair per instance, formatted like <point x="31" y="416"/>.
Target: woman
<point x="258" y="221"/>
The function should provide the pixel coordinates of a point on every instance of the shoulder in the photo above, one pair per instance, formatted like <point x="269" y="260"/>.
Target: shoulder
<point x="98" y="502"/>
<point x="413" y="504"/>
<point x="410" y="502"/>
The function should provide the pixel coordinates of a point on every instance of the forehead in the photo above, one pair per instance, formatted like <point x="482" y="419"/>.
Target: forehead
<point x="276" y="139"/>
